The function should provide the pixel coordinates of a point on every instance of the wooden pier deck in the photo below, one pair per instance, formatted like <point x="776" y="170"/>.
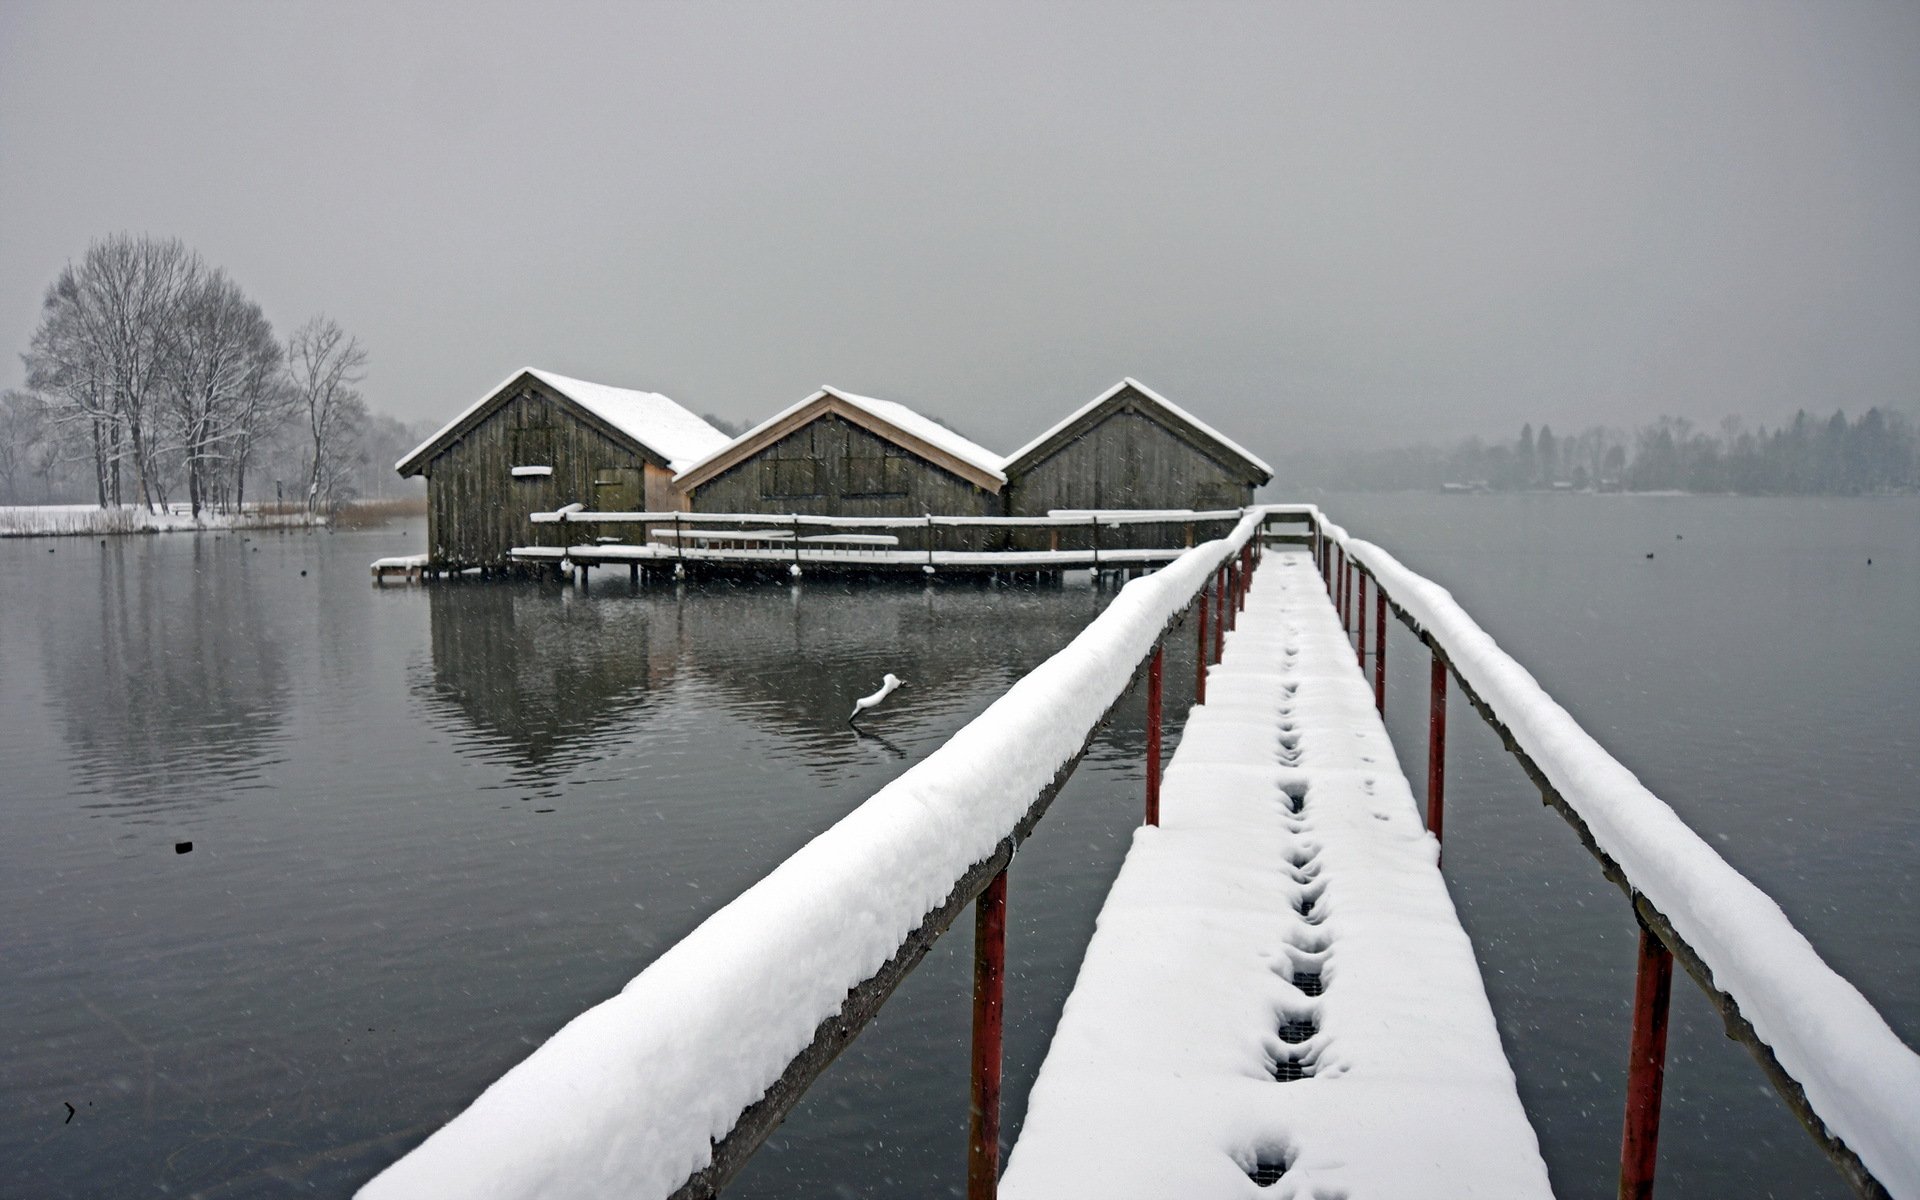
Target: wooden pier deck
<point x="1279" y="984"/>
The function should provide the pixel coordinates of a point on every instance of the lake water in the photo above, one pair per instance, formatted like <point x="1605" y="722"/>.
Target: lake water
<point x="429" y="826"/>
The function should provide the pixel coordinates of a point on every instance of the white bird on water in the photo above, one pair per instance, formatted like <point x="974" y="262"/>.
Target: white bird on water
<point x="888" y="683"/>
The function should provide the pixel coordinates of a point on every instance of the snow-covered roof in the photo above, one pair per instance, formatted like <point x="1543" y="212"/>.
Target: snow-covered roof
<point x="653" y="420"/>
<point x="888" y="412"/>
<point x="1225" y="441"/>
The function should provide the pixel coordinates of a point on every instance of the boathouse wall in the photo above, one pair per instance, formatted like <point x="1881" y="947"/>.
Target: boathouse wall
<point x="477" y="509"/>
<point x="833" y="468"/>
<point x="1126" y="457"/>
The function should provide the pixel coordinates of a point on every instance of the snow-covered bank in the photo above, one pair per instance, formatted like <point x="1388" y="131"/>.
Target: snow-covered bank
<point x="627" y="1099"/>
<point x="1278" y="984"/>
<point x="88" y="520"/>
<point x="1858" y="1076"/>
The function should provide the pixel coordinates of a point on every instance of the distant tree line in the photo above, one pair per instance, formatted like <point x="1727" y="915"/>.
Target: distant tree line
<point x="1878" y="451"/>
<point x="152" y="376"/>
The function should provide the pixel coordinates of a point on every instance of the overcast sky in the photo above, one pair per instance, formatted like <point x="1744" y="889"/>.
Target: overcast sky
<point x="1308" y="223"/>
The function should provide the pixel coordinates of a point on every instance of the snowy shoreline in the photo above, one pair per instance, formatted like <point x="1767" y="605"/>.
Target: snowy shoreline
<point x="89" y="520"/>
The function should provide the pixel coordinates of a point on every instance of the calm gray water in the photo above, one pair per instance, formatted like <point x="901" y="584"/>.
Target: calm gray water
<point x="432" y="825"/>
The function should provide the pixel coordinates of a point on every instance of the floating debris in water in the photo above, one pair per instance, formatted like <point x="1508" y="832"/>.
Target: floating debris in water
<point x="183" y="847"/>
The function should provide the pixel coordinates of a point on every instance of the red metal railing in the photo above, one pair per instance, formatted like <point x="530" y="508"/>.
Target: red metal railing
<point x="1659" y="942"/>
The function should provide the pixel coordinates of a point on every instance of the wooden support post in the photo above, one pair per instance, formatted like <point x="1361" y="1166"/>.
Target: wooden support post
<point x="1096" y="546"/>
<point x="1339" y="585"/>
<point x="1360" y="643"/>
<point x="1646" y="1067"/>
<point x="929" y="539"/>
<point x="1153" y="733"/>
<point x="989" y="983"/>
<point x="1437" y="747"/>
<point x="1200" y="652"/>
<point x="1380" y="650"/>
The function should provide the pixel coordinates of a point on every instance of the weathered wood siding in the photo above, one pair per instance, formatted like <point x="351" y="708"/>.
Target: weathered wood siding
<point x="477" y="510"/>
<point x="831" y="467"/>
<point x="1128" y="459"/>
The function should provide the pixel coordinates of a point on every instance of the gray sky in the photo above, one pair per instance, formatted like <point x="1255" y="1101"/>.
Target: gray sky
<point x="1307" y="222"/>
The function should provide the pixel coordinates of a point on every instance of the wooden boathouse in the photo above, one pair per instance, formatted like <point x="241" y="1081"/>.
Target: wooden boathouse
<point x="836" y="454"/>
<point x="1131" y="448"/>
<point x="542" y="440"/>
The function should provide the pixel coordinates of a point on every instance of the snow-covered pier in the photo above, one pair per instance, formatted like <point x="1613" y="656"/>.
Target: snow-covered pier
<point x="1279" y="985"/>
<point x="1278" y="994"/>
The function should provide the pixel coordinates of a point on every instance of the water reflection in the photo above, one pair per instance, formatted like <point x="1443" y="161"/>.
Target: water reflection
<point x="545" y="679"/>
<point x="534" y="679"/>
<point x="171" y="685"/>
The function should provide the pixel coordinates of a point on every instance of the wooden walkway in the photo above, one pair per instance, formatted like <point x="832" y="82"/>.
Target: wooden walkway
<point x="1279" y="986"/>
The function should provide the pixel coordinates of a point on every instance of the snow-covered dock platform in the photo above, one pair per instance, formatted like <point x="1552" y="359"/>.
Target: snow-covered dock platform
<point x="1279" y="990"/>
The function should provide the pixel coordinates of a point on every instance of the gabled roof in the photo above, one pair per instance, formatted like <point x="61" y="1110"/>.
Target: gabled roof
<point x="659" y="428"/>
<point x="1176" y="418"/>
<point x="884" y="418"/>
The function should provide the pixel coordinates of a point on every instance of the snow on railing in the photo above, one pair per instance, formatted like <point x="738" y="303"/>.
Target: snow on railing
<point x="1856" y="1077"/>
<point x="666" y="1087"/>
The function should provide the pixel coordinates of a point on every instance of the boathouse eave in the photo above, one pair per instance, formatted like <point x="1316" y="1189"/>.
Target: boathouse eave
<point x="1164" y="412"/>
<point x="857" y="410"/>
<point x="416" y="462"/>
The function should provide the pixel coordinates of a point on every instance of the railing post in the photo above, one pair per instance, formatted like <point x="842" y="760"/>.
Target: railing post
<point x="989" y="983"/>
<point x="1360" y="643"/>
<point x="1380" y="649"/>
<point x="1437" y="748"/>
<point x="1153" y="733"/>
<point x="1200" y="652"/>
<point x="1219" y="613"/>
<point x="1646" y="1067"/>
<point x="1339" y="585"/>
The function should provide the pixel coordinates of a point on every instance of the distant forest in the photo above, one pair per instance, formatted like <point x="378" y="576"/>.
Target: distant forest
<point x="1877" y="452"/>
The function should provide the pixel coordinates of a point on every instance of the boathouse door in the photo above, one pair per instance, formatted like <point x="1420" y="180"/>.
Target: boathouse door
<point x="617" y="489"/>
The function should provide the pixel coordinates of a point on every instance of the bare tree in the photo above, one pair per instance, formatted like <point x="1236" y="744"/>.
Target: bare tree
<point x="70" y="379"/>
<point x="102" y="346"/>
<point x="224" y="368"/>
<point x="324" y="363"/>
